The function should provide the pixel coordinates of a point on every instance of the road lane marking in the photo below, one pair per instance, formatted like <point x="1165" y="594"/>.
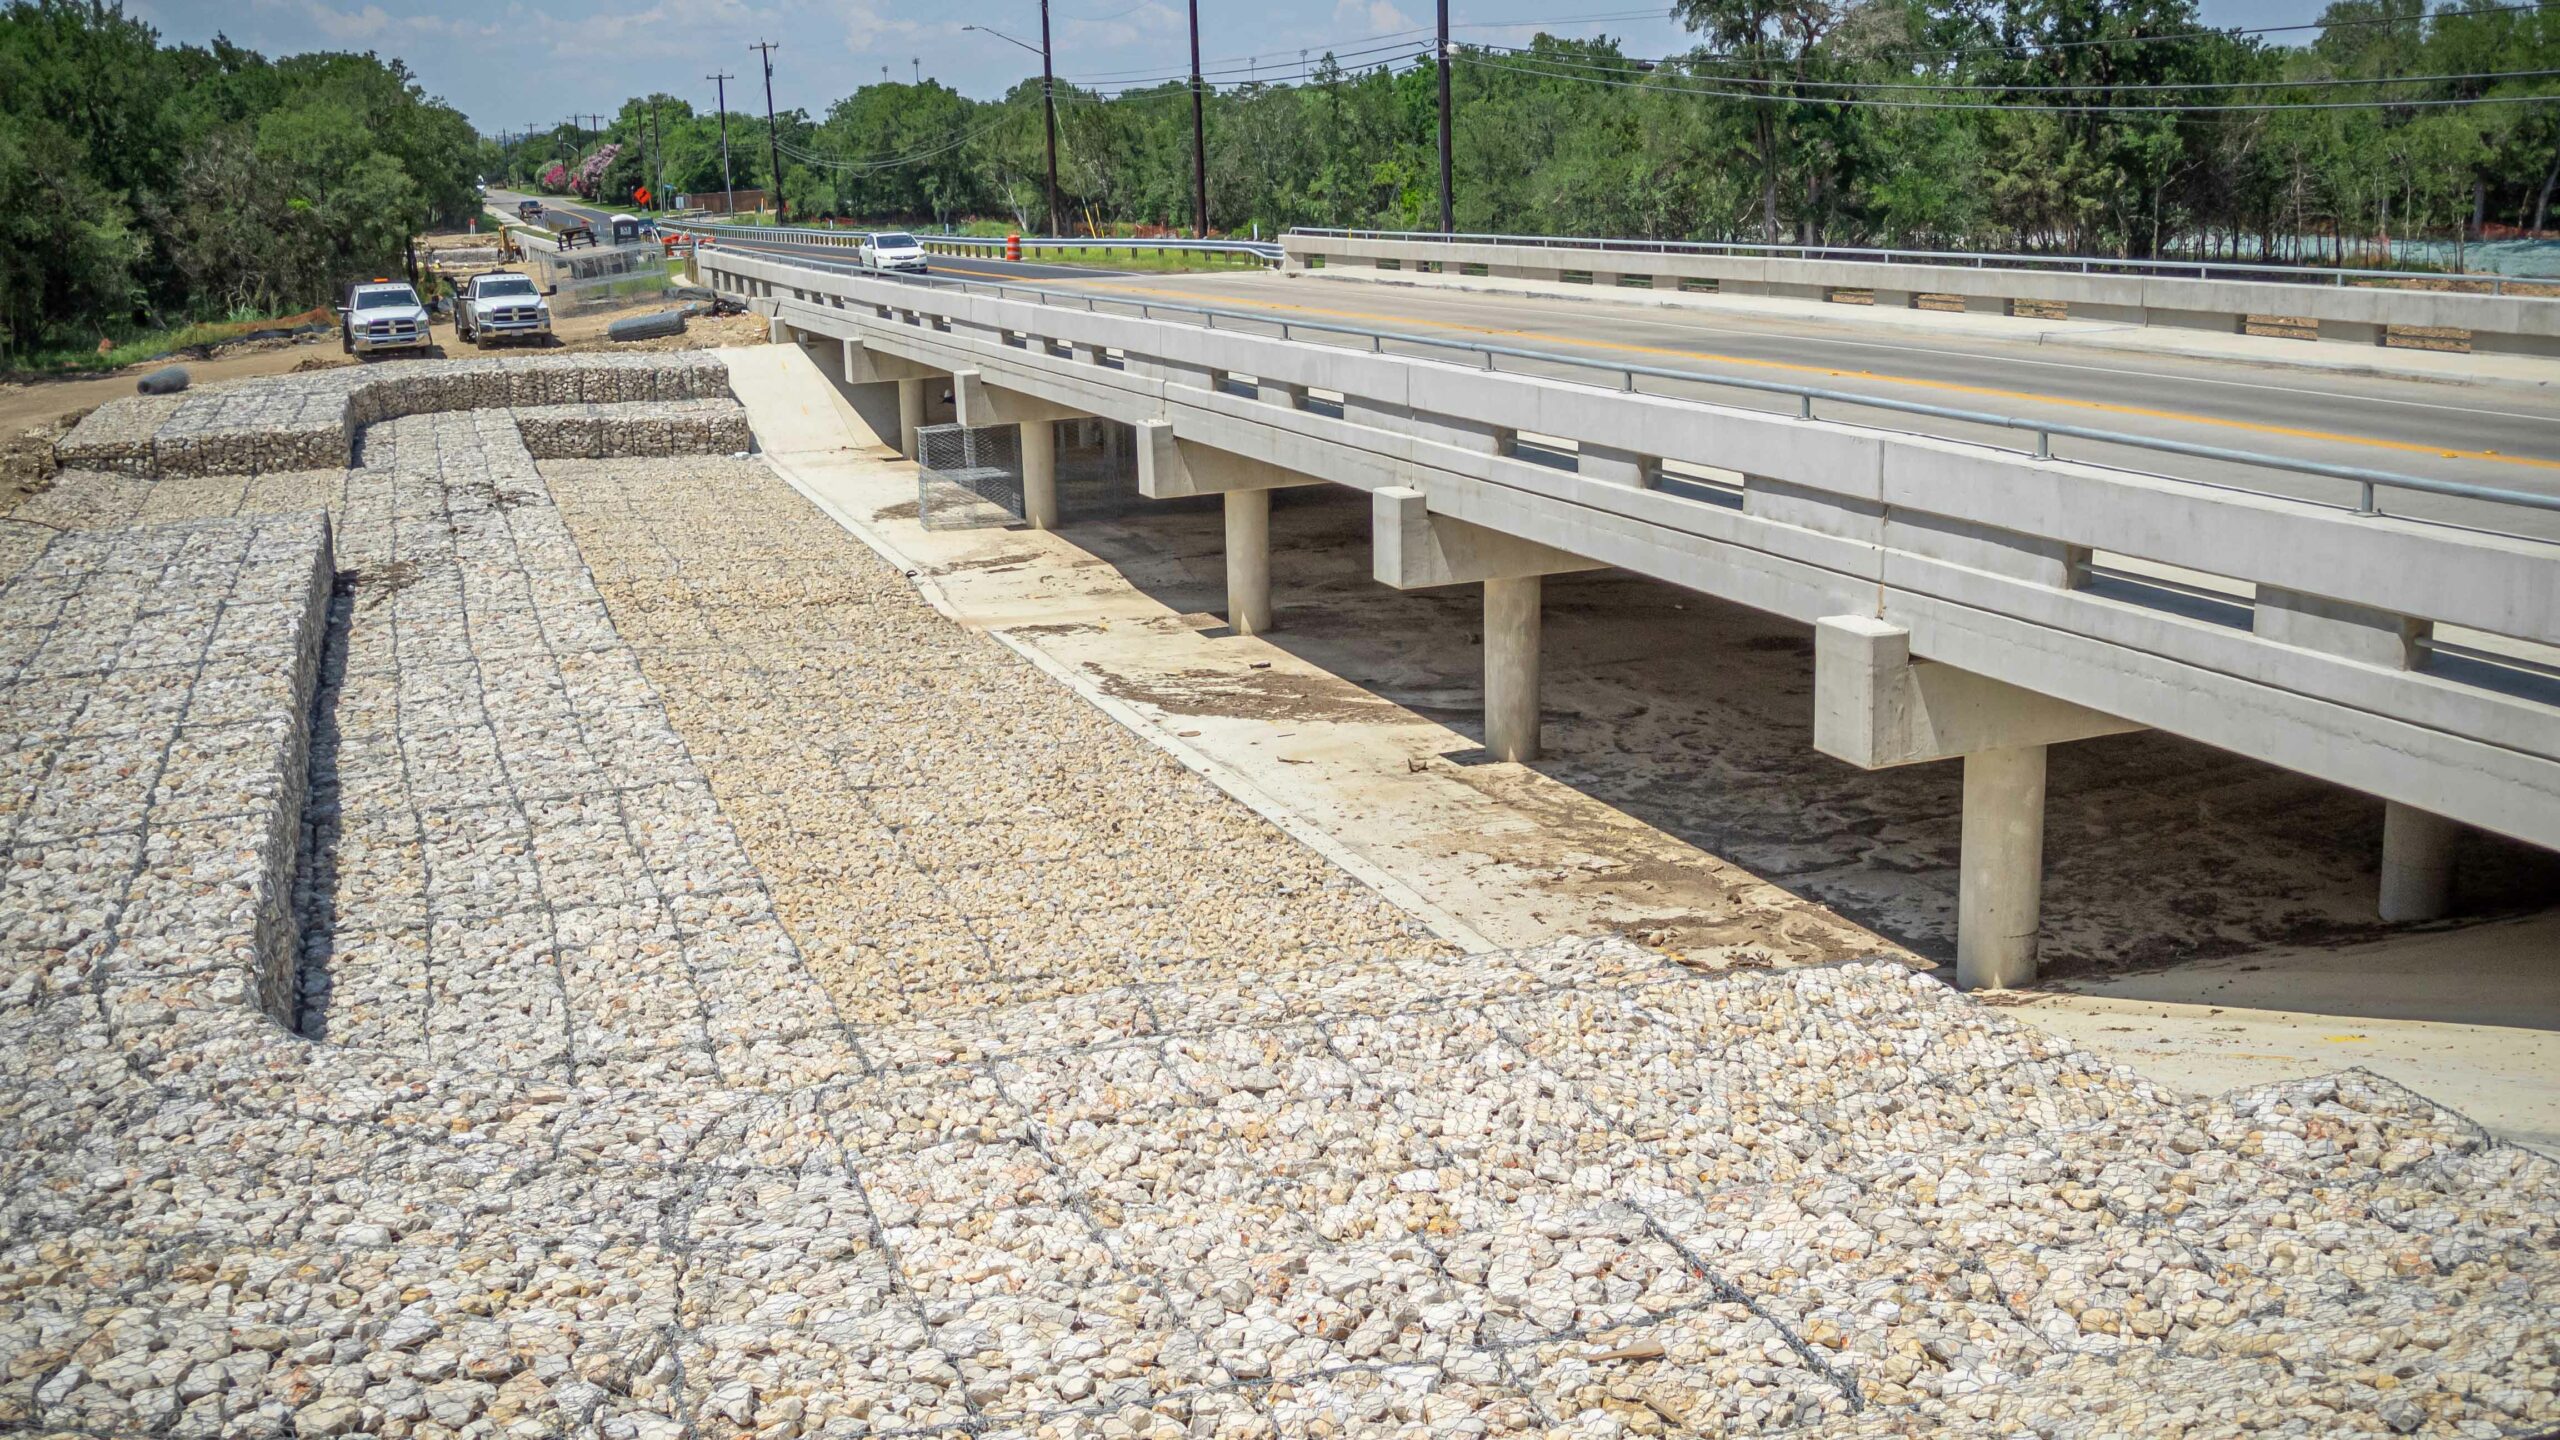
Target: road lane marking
<point x="1954" y="387"/>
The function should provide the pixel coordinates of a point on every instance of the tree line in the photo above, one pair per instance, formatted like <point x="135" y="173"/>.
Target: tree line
<point x="145" y="185"/>
<point x="2120" y="127"/>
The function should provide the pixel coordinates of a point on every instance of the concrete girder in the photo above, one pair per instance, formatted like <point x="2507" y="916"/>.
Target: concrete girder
<point x="1170" y="468"/>
<point x="1876" y="707"/>
<point x="978" y="403"/>
<point x="866" y="366"/>
<point x="1417" y="550"/>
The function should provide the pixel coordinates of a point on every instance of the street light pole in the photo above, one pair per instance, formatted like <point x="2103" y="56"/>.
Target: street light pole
<point x="1049" y="111"/>
<point x="1446" y="225"/>
<point x="772" y="135"/>
<point x="728" y="187"/>
<point x="1199" y="137"/>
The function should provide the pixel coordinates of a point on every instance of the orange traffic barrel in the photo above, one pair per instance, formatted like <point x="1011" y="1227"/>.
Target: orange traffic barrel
<point x="1013" y="247"/>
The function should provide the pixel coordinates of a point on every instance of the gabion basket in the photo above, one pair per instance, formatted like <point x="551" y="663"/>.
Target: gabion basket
<point x="968" y="476"/>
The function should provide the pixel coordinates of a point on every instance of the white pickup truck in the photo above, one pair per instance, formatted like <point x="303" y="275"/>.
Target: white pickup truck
<point x="501" y="305"/>
<point x="382" y="315"/>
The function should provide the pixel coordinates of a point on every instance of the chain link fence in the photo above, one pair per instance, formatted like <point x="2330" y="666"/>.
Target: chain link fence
<point x="968" y="476"/>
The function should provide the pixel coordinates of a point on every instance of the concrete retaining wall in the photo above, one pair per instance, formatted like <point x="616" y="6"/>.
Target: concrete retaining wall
<point x="2353" y="313"/>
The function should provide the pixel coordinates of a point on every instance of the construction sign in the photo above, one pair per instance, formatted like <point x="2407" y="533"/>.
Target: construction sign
<point x="640" y="193"/>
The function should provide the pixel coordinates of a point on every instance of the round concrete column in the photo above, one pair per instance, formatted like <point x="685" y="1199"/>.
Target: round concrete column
<point x="910" y="415"/>
<point x="2000" y="888"/>
<point x="2417" y="863"/>
<point x="1512" y="611"/>
<point x="1040" y="473"/>
<point x="1249" y="561"/>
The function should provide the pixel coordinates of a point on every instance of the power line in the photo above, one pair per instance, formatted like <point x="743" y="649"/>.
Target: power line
<point x="1845" y="101"/>
<point x="2031" y="47"/>
<point x="1969" y="87"/>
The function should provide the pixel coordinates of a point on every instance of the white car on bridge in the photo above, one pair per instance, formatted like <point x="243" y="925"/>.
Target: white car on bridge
<point x="893" y="250"/>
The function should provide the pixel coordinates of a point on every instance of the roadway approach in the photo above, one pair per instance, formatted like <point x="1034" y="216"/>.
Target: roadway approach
<point x="1969" y="598"/>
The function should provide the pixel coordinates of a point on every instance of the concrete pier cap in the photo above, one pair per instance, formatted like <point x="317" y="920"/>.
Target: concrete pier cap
<point x="1417" y="550"/>
<point x="1877" y="707"/>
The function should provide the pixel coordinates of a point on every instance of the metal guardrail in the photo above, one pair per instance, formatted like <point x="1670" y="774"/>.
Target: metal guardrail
<point x="1961" y="259"/>
<point x="2369" y="482"/>
<point x="1264" y="250"/>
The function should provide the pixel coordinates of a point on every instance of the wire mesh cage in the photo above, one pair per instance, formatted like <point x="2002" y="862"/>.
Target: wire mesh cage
<point x="1097" y="469"/>
<point x="968" y="476"/>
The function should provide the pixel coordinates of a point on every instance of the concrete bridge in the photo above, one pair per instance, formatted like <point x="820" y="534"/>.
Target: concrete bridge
<point x="1969" y="600"/>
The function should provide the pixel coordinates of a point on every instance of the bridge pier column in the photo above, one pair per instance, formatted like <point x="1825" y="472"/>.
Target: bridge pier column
<point x="1040" y="473"/>
<point x="1877" y="707"/>
<point x="1173" y="469"/>
<point x="2417" y="863"/>
<point x="1514" y="621"/>
<point x="2000" y="885"/>
<point x="1417" y="550"/>
<point x="1249" y="561"/>
<point x="910" y="416"/>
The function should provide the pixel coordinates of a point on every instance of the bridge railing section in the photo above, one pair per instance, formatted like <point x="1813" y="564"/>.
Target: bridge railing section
<point x="1033" y="247"/>
<point x="2257" y="602"/>
<point x="2366" y="491"/>
<point x="2484" y="313"/>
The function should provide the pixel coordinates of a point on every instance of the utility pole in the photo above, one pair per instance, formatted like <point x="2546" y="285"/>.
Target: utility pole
<point x="657" y="158"/>
<point x="727" y="187"/>
<point x="1199" y="137"/>
<point x="772" y="134"/>
<point x="1446" y="226"/>
<point x="1049" y="110"/>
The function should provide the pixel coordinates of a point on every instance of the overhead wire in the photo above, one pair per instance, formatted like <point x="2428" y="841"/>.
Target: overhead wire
<point x="1516" y="66"/>
<point x="1543" y="58"/>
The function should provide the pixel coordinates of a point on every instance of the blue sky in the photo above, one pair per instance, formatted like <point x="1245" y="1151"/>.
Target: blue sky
<point x="509" y="64"/>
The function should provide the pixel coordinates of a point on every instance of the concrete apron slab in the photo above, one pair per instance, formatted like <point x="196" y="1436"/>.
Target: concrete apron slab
<point x="1498" y="855"/>
<point x="2470" y="1016"/>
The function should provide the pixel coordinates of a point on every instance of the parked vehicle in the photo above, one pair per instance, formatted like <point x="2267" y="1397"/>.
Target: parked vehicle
<point x="893" y="250"/>
<point x="501" y="305"/>
<point x="529" y="210"/>
<point x="382" y="314"/>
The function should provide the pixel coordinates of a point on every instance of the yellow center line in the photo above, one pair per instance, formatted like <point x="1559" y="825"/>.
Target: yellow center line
<point x="1831" y="372"/>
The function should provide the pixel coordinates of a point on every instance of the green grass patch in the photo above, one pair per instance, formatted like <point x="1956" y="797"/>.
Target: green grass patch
<point x="137" y="348"/>
<point x="1152" y="261"/>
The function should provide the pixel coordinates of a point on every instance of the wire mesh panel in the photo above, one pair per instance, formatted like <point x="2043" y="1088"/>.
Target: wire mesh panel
<point x="968" y="476"/>
<point x="1097" y="469"/>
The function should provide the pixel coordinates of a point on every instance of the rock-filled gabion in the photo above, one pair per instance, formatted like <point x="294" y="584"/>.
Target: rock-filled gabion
<point x="157" y="721"/>
<point x="310" y="421"/>
<point x="578" y="1143"/>
<point x="634" y="429"/>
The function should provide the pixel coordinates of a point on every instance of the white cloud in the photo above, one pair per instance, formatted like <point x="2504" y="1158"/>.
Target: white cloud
<point x="1374" y="17"/>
